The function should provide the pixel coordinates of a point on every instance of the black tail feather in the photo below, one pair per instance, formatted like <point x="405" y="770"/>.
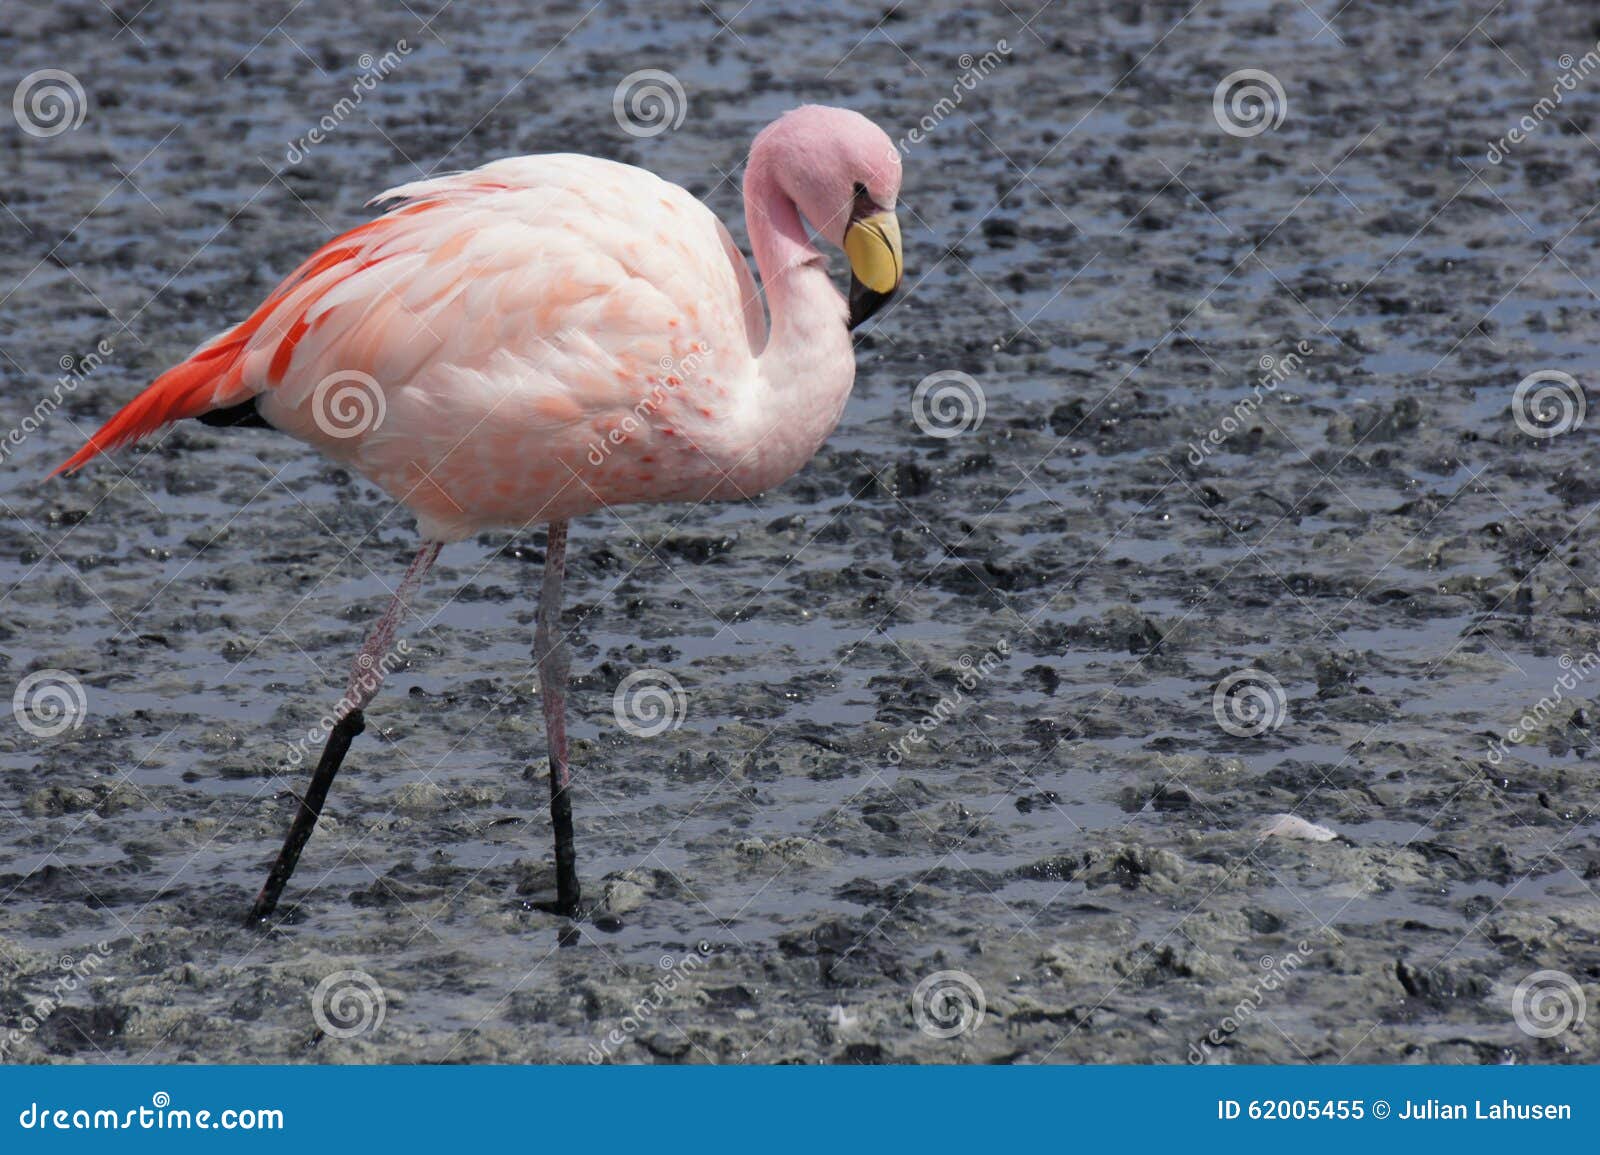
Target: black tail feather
<point x="241" y="416"/>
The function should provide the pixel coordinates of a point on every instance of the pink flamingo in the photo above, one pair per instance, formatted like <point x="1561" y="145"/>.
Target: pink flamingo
<point x="544" y="337"/>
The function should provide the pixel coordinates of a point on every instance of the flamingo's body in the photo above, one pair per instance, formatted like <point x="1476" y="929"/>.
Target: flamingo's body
<point x="550" y="335"/>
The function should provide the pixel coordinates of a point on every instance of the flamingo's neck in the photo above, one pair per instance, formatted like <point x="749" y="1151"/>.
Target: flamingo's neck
<point x="777" y="233"/>
<point x="800" y="297"/>
<point x="808" y="364"/>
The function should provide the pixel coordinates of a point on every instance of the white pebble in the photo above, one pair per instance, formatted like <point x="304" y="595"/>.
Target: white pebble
<point x="1291" y="826"/>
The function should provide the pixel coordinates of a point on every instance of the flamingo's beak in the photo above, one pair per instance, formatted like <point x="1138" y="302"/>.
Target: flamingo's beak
<point x="872" y="243"/>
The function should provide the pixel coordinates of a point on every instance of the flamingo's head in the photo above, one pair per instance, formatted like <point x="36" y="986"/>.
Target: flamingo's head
<point x="843" y="174"/>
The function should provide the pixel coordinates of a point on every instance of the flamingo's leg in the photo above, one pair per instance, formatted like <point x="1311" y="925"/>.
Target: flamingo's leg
<point x="550" y="652"/>
<point x="366" y="675"/>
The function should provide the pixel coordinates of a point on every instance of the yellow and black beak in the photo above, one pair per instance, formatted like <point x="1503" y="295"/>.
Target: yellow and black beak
<point x="872" y="242"/>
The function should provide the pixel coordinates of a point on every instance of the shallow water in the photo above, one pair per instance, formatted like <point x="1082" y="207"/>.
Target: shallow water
<point x="1083" y="838"/>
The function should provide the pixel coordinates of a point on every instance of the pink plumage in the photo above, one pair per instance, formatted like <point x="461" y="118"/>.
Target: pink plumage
<point x="547" y="336"/>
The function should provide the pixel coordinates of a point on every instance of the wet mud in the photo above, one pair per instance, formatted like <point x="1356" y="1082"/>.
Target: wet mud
<point x="951" y="735"/>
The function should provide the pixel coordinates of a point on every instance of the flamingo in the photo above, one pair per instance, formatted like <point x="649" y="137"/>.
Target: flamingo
<point x="544" y="337"/>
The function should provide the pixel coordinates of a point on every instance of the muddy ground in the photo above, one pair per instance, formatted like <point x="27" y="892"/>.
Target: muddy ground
<point x="1076" y="840"/>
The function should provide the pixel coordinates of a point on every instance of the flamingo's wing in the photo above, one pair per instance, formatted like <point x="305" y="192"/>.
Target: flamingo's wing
<point x="576" y="276"/>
